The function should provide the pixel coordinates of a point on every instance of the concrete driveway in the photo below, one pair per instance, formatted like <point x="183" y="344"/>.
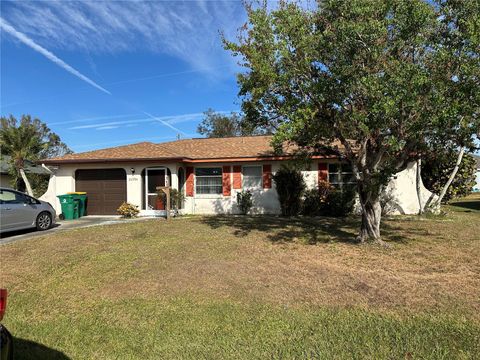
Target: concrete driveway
<point x="62" y="225"/>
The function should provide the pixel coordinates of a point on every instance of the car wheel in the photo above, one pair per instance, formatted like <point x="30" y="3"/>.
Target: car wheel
<point x="44" y="221"/>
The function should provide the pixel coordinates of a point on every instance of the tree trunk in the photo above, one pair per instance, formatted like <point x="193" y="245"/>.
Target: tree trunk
<point x="371" y="215"/>
<point x="419" y="182"/>
<point x="452" y="176"/>
<point x="25" y="180"/>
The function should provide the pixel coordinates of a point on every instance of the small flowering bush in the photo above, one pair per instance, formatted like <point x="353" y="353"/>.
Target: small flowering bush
<point x="128" y="210"/>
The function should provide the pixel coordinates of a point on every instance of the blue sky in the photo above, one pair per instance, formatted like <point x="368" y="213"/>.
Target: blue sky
<point x="103" y="74"/>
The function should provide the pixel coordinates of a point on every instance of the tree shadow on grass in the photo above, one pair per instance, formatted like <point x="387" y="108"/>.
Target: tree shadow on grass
<point x="396" y="234"/>
<point x="30" y="350"/>
<point x="302" y="229"/>
<point x="307" y="230"/>
<point x="468" y="205"/>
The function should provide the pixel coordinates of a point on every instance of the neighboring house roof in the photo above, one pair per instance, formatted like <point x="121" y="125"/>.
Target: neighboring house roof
<point x="30" y="168"/>
<point x="188" y="150"/>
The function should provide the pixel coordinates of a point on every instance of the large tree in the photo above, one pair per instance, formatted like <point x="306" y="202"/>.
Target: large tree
<point x="373" y="74"/>
<point x="455" y="71"/>
<point x="216" y="124"/>
<point x="28" y="140"/>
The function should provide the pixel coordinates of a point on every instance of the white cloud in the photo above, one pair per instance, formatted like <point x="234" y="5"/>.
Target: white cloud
<point x="186" y="30"/>
<point x="49" y="55"/>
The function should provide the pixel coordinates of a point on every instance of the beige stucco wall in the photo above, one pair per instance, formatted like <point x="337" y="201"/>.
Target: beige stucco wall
<point x="63" y="180"/>
<point x="401" y="191"/>
<point x="265" y="201"/>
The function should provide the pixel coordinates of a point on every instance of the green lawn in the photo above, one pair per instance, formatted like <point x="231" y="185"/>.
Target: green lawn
<point x="249" y="287"/>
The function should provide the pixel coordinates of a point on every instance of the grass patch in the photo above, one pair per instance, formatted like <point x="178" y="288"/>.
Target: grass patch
<point x="248" y="287"/>
<point x="191" y="329"/>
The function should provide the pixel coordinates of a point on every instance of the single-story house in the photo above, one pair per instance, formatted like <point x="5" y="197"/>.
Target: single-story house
<point x="209" y="171"/>
<point x="30" y="168"/>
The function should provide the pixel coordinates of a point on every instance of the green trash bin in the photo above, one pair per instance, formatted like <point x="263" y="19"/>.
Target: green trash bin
<point x="69" y="205"/>
<point x="82" y="205"/>
<point x="76" y="209"/>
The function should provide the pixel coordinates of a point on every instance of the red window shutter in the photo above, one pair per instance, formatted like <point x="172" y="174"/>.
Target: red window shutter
<point x="237" y="177"/>
<point x="226" y="184"/>
<point x="267" y="176"/>
<point x="189" y="183"/>
<point x="322" y="172"/>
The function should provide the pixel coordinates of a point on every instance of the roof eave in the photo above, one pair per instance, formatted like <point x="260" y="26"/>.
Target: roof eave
<point x="116" y="160"/>
<point x="180" y="159"/>
<point x="257" y="158"/>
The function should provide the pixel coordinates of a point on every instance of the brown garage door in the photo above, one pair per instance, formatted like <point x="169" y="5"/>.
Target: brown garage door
<point x="106" y="189"/>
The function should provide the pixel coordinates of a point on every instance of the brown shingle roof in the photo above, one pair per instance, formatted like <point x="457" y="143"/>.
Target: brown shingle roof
<point x="214" y="148"/>
<point x="143" y="150"/>
<point x="185" y="150"/>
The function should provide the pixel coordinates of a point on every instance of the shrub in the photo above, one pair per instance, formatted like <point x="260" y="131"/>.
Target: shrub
<point x="176" y="198"/>
<point x="312" y="203"/>
<point x="128" y="210"/>
<point x="245" y="201"/>
<point x="290" y="188"/>
<point x="328" y="201"/>
<point x="340" y="202"/>
<point x="315" y="199"/>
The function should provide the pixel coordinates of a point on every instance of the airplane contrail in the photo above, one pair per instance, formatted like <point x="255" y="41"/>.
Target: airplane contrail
<point x="49" y="55"/>
<point x="165" y="123"/>
<point x="168" y="74"/>
<point x="91" y="119"/>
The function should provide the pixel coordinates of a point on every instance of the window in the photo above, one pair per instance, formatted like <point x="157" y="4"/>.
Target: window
<point x="340" y="175"/>
<point x="252" y="177"/>
<point x="208" y="180"/>
<point x="11" y="197"/>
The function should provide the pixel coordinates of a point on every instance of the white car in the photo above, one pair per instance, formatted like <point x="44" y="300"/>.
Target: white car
<point x="19" y="211"/>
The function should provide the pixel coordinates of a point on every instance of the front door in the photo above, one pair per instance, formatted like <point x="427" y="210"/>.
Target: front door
<point x="154" y="177"/>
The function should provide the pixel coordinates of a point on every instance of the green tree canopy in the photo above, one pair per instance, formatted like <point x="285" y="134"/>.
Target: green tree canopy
<point x="215" y="124"/>
<point x="28" y="140"/>
<point x="387" y="78"/>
